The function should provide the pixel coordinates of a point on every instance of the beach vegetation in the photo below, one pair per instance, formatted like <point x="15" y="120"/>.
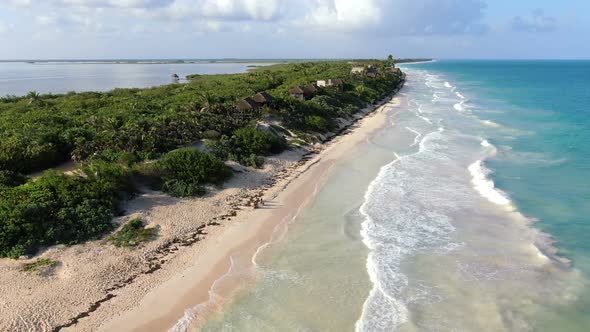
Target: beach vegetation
<point x="61" y="209"/>
<point x="246" y="145"/>
<point x="40" y="265"/>
<point x="125" y="136"/>
<point x="132" y="234"/>
<point x="185" y="171"/>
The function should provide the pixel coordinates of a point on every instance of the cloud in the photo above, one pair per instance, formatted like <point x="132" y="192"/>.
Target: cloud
<point x="20" y="3"/>
<point x="366" y="18"/>
<point x="537" y="22"/>
<point x="3" y="28"/>
<point x="241" y="9"/>
<point x="397" y="17"/>
<point x="392" y="17"/>
<point x="113" y="3"/>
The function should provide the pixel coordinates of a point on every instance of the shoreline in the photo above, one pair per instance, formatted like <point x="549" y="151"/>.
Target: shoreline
<point x="246" y="236"/>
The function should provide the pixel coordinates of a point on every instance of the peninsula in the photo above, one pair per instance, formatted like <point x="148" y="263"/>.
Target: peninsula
<point x="103" y="196"/>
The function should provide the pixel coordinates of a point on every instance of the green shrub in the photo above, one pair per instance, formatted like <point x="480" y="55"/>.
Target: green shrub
<point x="39" y="265"/>
<point x="184" y="171"/>
<point x="121" y="157"/>
<point x="253" y="141"/>
<point x="182" y="188"/>
<point x="149" y="174"/>
<point x="246" y="145"/>
<point x="61" y="209"/>
<point x="316" y="123"/>
<point x="11" y="179"/>
<point x="132" y="234"/>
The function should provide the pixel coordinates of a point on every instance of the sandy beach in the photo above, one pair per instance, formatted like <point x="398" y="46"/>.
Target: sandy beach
<point x="201" y="243"/>
<point x="229" y="251"/>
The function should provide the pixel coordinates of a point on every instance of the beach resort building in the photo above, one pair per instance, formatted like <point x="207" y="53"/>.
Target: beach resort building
<point x="262" y="98"/>
<point x="310" y="90"/>
<point x="247" y="104"/>
<point x="357" y="70"/>
<point x="393" y="70"/>
<point x="297" y="92"/>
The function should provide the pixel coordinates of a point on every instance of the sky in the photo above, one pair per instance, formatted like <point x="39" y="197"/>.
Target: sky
<point x="204" y="29"/>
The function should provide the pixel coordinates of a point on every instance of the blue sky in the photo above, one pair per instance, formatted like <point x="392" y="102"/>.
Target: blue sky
<point x="102" y="29"/>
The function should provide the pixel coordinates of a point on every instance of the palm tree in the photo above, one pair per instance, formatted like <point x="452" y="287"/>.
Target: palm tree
<point x="390" y="60"/>
<point x="206" y="100"/>
<point x="34" y="97"/>
<point x="360" y="90"/>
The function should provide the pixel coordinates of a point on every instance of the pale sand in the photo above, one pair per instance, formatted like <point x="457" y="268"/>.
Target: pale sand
<point x="97" y="286"/>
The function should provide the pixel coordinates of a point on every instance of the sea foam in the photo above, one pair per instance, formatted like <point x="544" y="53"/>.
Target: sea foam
<point x="394" y="231"/>
<point x="485" y="186"/>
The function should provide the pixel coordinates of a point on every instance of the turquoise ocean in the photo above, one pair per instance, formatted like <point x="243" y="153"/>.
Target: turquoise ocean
<point x="542" y="112"/>
<point x="468" y="211"/>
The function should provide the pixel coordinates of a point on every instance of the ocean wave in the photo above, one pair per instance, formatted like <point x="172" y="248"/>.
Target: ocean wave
<point x="460" y="95"/>
<point x="417" y="137"/>
<point x="484" y="185"/>
<point x="460" y="106"/>
<point x="449" y="85"/>
<point x="491" y="149"/>
<point x="491" y="123"/>
<point x="393" y="231"/>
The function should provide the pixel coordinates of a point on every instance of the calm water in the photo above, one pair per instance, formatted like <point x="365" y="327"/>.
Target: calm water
<point x="428" y="225"/>
<point x="18" y="78"/>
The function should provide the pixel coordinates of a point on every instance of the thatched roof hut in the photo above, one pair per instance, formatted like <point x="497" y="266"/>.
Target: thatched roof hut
<point x="247" y="104"/>
<point x="310" y="90"/>
<point x="337" y="81"/>
<point x="393" y="70"/>
<point x="297" y="92"/>
<point x="262" y="97"/>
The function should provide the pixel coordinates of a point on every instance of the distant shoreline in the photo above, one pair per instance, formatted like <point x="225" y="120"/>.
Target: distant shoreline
<point x="182" y="61"/>
<point x="137" y="62"/>
<point x="416" y="62"/>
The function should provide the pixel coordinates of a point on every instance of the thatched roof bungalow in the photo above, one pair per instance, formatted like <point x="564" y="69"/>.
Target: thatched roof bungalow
<point x="310" y="90"/>
<point x="262" y="98"/>
<point x="393" y="70"/>
<point x="297" y="92"/>
<point x="337" y="82"/>
<point x="372" y="75"/>
<point x="247" y="104"/>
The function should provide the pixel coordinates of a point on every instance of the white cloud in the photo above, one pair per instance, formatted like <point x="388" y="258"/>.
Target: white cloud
<point x="114" y="3"/>
<point x="345" y="14"/>
<point x="46" y="19"/>
<point x="397" y="17"/>
<point x="367" y="17"/>
<point x="537" y="22"/>
<point x="241" y="9"/>
<point x="20" y="3"/>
